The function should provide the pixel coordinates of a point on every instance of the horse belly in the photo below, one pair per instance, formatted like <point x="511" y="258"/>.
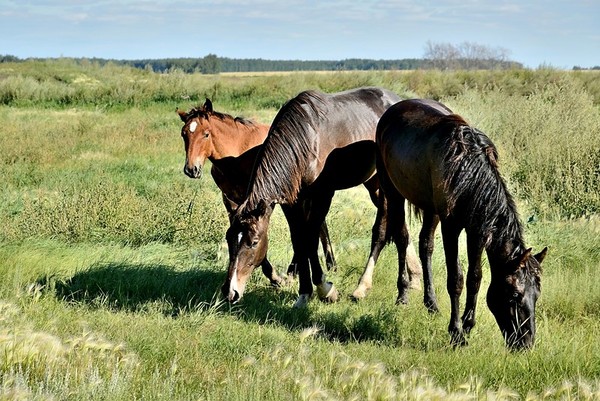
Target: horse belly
<point x="415" y="174"/>
<point x="348" y="167"/>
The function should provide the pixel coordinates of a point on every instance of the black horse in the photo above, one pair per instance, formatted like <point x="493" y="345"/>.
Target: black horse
<point x="318" y="143"/>
<point x="448" y="170"/>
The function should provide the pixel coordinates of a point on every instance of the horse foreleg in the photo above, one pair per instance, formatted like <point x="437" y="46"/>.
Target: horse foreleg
<point x="426" y="242"/>
<point x="270" y="273"/>
<point x="315" y="211"/>
<point x="295" y="220"/>
<point x="450" y="233"/>
<point x="474" y="251"/>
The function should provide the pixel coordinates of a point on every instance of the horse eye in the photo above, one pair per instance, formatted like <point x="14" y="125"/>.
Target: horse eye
<point x="254" y="243"/>
<point x="206" y="134"/>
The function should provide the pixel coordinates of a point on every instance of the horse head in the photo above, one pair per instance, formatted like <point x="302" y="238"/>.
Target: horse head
<point x="512" y="296"/>
<point x="247" y="239"/>
<point x="197" y="133"/>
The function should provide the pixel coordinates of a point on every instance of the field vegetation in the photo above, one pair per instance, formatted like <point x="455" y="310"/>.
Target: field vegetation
<point x="111" y="259"/>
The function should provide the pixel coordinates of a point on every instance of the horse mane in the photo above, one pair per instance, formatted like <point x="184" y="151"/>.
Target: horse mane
<point x="201" y="113"/>
<point x="476" y="191"/>
<point x="286" y="152"/>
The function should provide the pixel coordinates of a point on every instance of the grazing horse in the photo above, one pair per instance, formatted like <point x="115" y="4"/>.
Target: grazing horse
<point x="448" y="170"/>
<point x="231" y="144"/>
<point x="318" y="143"/>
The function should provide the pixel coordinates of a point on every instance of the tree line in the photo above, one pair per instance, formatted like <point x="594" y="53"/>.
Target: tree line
<point x="212" y="64"/>
<point x="441" y="56"/>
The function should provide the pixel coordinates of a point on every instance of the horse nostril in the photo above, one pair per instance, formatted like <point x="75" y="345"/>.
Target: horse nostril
<point x="193" y="171"/>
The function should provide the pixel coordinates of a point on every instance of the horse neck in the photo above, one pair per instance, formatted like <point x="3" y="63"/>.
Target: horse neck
<point x="232" y="138"/>
<point x="505" y="238"/>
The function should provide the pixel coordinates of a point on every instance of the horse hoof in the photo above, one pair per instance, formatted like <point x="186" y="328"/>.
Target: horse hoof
<point x="458" y="340"/>
<point x="327" y="292"/>
<point x="359" y="293"/>
<point x="432" y="307"/>
<point x="280" y="282"/>
<point x="402" y="300"/>
<point x="302" y="301"/>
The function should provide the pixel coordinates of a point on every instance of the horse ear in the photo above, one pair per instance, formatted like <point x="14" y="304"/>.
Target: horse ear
<point x="182" y="114"/>
<point x="208" y="107"/>
<point x="262" y="208"/>
<point x="540" y="256"/>
<point x="523" y="258"/>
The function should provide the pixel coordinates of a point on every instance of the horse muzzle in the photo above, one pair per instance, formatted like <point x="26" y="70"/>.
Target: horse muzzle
<point x="192" y="171"/>
<point x="230" y="294"/>
<point x="520" y="340"/>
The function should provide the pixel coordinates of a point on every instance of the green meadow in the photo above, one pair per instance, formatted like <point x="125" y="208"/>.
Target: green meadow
<point x="111" y="259"/>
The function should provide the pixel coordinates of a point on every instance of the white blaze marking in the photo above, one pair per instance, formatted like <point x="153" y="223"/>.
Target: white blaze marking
<point x="193" y="126"/>
<point x="239" y="237"/>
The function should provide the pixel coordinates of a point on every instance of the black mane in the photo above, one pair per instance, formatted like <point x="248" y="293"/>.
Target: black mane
<point x="477" y="191"/>
<point x="286" y="152"/>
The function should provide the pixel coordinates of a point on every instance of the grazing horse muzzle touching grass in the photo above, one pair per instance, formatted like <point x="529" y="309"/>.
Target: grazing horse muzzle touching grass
<point x="519" y="289"/>
<point x="449" y="171"/>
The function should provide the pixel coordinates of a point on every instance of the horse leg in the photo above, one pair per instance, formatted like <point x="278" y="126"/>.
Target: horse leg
<point x="327" y="247"/>
<point x="413" y="264"/>
<point x="400" y="236"/>
<point x="315" y="211"/>
<point x="450" y="233"/>
<point x="294" y="217"/>
<point x="270" y="273"/>
<point x="426" y="241"/>
<point x="300" y="263"/>
<point x="379" y="237"/>
<point x="474" y="251"/>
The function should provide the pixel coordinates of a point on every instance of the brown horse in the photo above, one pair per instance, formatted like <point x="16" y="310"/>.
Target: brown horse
<point x="448" y="170"/>
<point x="318" y="143"/>
<point x="231" y="144"/>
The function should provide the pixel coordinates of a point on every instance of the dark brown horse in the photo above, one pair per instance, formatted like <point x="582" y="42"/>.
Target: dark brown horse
<point x="318" y="144"/>
<point x="448" y="170"/>
<point x="231" y="144"/>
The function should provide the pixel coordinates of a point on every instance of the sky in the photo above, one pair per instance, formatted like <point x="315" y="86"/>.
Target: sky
<point x="555" y="33"/>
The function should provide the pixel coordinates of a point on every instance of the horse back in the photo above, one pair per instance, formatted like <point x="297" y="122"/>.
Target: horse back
<point x="411" y="137"/>
<point x="347" y="136"/>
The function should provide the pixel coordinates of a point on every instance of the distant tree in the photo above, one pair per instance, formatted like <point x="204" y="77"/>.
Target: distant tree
<point x="210" y="64"/>
<point x="466" y="55"/>
<point x="8" y="58"/>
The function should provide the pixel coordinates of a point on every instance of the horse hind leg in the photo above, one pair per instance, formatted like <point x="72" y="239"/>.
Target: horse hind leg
<point x="380" y="237"/>
<point x="327" y="247"/>
<point x="378" y="240"/>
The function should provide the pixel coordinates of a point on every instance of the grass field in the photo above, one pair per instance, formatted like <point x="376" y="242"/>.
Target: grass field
<point x="111" y="259"/>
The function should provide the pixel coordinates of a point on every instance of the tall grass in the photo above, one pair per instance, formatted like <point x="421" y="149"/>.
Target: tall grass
<point x="111" y="259"/>
<point x="549" y="143"/>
